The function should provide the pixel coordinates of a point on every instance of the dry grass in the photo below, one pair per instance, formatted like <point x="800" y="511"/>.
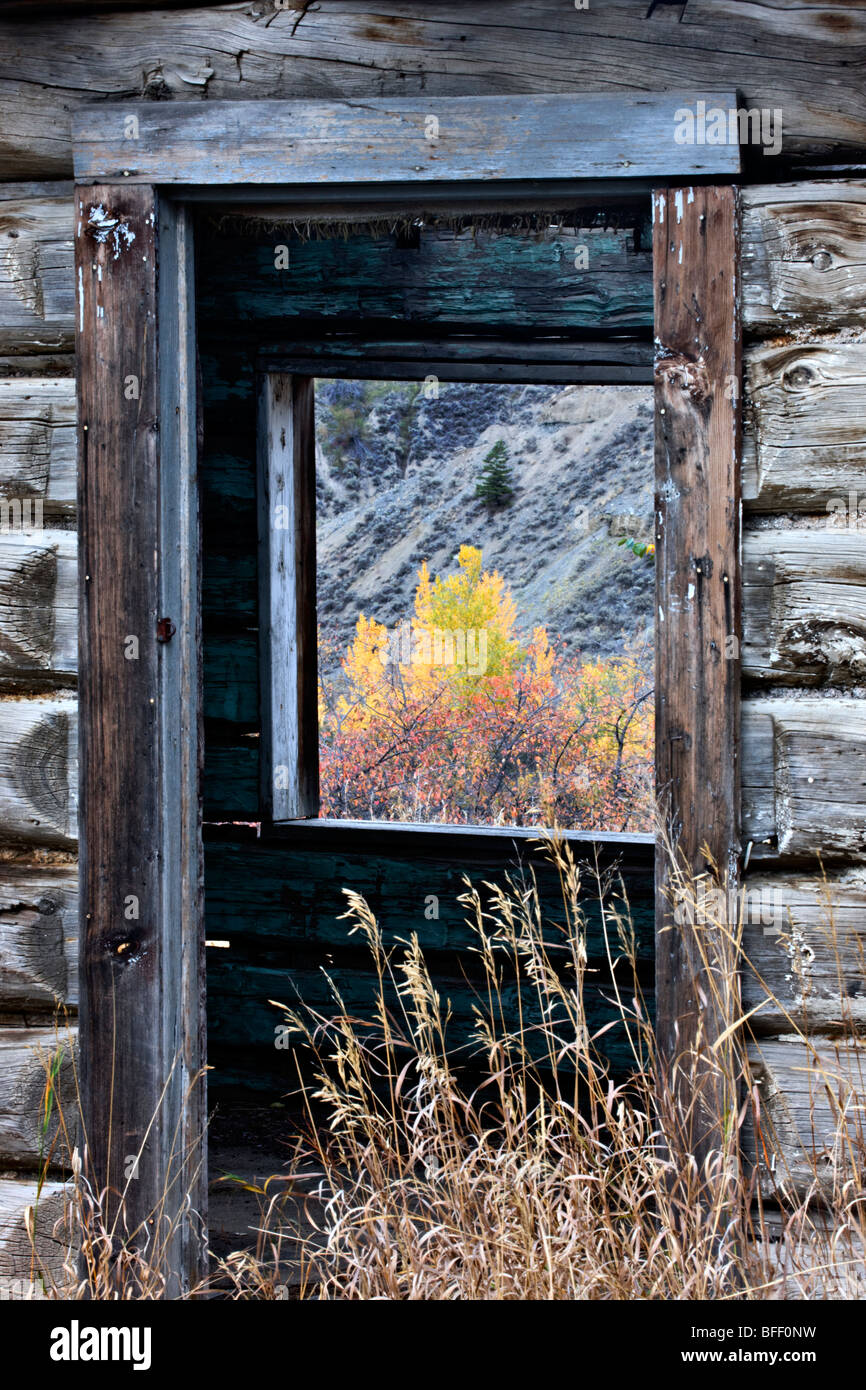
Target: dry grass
<point x="534" y="1175"/>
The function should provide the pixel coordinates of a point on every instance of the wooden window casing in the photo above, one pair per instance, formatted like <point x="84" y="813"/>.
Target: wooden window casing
<point x="138" y="167"/>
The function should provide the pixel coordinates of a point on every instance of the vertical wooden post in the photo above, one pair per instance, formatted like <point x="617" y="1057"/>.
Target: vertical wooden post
<point x="288" y="648"/>
<point x="142" y="941"/>
<point x="698" y="627"/>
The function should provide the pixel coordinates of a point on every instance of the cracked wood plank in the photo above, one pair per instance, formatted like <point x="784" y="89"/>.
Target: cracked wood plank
<point x="38" y="771"/>
<point x="36" y="284"/>
<point x="233" y="51"/>
<point x="804" y="606"/>
<point x="37" y="443"/>
<point x="38" y="607"/>
<point x="38" y="935"/>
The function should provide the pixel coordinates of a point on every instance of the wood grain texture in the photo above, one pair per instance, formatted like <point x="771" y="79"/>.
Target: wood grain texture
<point x="26" y="1057"/>
<point x="38" y="935"/>
<point x="141" y="991"/>
<point x="804" y="939"/>
<point x="38" y="606"/>
<point x="288" y="630"/>
<point x="811" y="1115"/>
<point x="399" y="49"/>
<point x="804" y="255"/>
<point x="38" y="771"/>
<point x="391" y="140"/>
<point x="591" y="278"/>
<point x="698" y="605"/>
<point x="806" y="414"/>
<point x="23" y="1201"/>
<point x="36" y="284"/>
<point x="804" y="778"/>
<point x="37" y="443"/>
<point x="804" y="606"/>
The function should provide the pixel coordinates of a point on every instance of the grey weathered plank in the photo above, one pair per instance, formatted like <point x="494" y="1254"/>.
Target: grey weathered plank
<point x="288" y="660"/>
<point x="37" y="442"/>
<point x="811" y="1118"/>
<point x="38" y="771"/>
<point x="38" y="935"/>
<point x="804" y="255"/>
<point x="38" y="605"/>
<point x="554" y="137"/>
<point x="804" y="606"/>
<point x="36" y="283"/>
<point x="396" y="49"/>
<point x="26" y="1055"/>
<point x="804" y="778"/>
<point x="45" y="1207"/>
<point x="698" y="631"/>
<point x="804" y="446"/>
<point x="804" y="940"/>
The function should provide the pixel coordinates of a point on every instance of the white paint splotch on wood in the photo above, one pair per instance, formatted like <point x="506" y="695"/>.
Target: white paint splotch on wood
<point x="38" y="605"/>
<point x="804" y="606"/>
<point x="38" y="771"/>
<point x="804" y="255"/>
<point x="38" y="935"/>
<point x="36" y="281"/>
<point x="805" y="441"/>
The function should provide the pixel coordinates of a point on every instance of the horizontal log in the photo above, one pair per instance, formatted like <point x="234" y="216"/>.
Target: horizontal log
<point x="37" y="443"/>
<point x="804" y="778"/>
<point x="27" y="1056"/>
<point x="804" y="606"/>
<point x="38" y="935"/>
<point x="36" y="277"/>
<point x="806" y="429"/>
<point x="28" y="1264"/>
<point x="804" y="254"/>
<point x="385" y="140"/>
<point x="811" y="1117"/>
<point x="38" y="605"/>
<point x="394" y="50"/>
<point x="574" y="278"/>
<point x="804" y="942"/>
<point x="38" y="772"/>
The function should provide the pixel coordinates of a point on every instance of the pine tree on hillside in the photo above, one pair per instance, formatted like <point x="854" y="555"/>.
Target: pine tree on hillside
<point x="495" y="487"/>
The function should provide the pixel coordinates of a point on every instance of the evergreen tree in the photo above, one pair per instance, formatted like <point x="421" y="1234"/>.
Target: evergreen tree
<point x="495" y="487"/>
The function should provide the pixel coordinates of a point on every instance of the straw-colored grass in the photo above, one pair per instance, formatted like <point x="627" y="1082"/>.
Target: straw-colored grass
<point x="531" y="1173"/>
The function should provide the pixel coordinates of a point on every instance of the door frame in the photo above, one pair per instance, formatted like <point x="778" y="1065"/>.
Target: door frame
<point x="139" y="168"/>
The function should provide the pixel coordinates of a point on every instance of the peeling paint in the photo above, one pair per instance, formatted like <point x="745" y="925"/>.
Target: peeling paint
<point x="110" y="230"/>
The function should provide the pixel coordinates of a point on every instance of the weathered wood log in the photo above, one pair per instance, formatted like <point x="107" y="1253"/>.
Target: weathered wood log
<point x="811" y="1118"/>
<point x="225" y="52"/>
<point x="38" y="606"/>
<point x="32" y="1133"/>
<point x="38" y="935"/>
<point x="804" y="942"/>
<point x="804" y="606"/>
<point x="804" y="255"/>
<point x="804" y="778"/>
<point x="30" y="1262"/>
<point x="806" y="428"/>
<point x="699" y="632"/>
<point x="36" y="280"/>
<point x="38" y="772"/>
<point x="37" y="443"/>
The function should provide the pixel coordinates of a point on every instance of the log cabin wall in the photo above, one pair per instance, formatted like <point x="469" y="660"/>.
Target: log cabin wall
<point x="804" y="283"/>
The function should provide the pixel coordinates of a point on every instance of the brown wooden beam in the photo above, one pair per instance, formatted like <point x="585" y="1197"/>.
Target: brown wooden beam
<point x="698" y="628"/>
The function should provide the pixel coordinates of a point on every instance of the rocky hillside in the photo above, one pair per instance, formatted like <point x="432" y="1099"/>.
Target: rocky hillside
<point x="397" y="468"/>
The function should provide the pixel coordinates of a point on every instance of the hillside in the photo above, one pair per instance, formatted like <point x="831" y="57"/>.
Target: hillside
<point x="396" y="476"/>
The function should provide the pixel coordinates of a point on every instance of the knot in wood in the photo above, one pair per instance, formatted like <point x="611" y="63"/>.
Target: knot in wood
<point x="686" y="375"/>
<point x="797" y="378"/>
